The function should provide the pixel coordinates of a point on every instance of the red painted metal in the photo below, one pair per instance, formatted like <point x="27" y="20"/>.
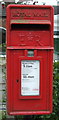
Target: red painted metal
<point x="29" y="28"/>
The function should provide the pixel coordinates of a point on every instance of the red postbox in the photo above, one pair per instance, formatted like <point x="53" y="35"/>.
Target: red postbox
<point x="29" y="59"/>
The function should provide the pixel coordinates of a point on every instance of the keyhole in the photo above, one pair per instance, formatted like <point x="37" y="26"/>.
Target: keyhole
<point x="17" y="81"/>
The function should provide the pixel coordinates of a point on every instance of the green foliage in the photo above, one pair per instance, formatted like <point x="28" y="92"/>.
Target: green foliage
<point x="3" y="47"/>
<point x="3" y="115"/>
<point x="56" y="87"/>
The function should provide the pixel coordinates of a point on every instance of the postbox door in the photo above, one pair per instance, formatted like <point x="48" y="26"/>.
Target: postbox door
<point x="29" y="101"/>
